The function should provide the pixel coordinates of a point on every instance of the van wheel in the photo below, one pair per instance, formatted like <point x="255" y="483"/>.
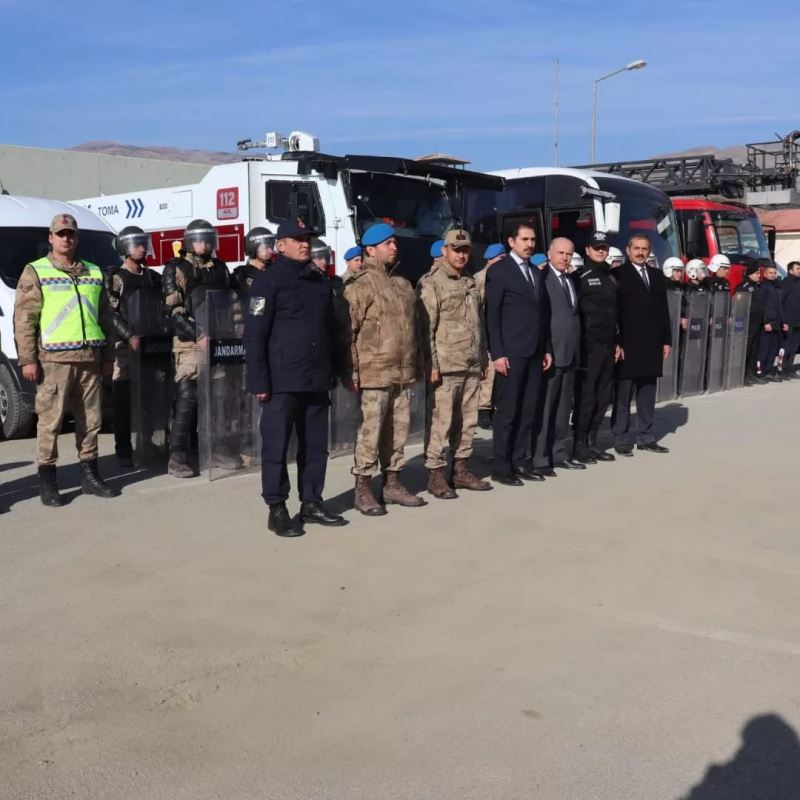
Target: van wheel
<point x="16" y="417"/>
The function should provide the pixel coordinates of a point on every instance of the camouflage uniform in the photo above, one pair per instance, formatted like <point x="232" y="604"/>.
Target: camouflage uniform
<point x="71" y="380"/>
<point x="383" y="360"/>
<point x="487" y="384"/>
<point x="452" y="332"/>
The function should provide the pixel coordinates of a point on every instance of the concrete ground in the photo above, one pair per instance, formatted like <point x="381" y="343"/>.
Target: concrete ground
<point x="609" y="634"/>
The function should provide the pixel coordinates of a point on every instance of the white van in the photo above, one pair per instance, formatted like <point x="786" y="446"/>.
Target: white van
<point x="24" y="228"/>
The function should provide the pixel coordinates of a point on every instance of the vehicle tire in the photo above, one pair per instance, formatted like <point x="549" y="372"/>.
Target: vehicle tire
<point x="16" y="417"/>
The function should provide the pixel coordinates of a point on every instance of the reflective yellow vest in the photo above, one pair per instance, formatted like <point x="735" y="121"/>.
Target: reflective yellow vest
<point x="70" y="316"/>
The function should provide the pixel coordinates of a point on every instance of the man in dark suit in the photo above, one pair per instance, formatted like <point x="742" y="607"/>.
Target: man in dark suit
<point x="645" y="340"/>
<point x="518" y="326"/>
<point x="551" y="429"/>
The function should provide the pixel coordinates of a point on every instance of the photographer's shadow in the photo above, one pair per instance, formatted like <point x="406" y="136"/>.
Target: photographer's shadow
<point x="766" y="766"/>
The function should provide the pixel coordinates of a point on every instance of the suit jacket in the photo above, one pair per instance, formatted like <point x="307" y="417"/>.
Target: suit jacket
<point x="517" y="314"/>
<point x="565" y="321"/>
<point x="644" y="326"/>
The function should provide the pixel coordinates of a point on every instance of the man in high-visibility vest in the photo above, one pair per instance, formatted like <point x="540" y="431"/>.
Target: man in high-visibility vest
<point x="62" y="326"/>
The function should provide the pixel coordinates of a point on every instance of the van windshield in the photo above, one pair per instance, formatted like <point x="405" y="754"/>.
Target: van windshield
<point x="411" y="206"/>
<point x="20" y="246"/>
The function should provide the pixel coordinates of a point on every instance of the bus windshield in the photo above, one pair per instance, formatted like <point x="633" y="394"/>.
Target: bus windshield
<point x="413" y="207"/>
<point x="20" y="246"/>
<point x="739" y="235"/>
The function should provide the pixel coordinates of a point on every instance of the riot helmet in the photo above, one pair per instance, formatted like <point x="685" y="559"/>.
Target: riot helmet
<point x="696" y="269"/>
<point x="199" y="231"/>
<point x="132" y="237"/>
<point x="670" y="265"/>
<point x="615" y="257"/>
<point x="718" y="262"/>
<point x="257" y="239"/>
<point x="320" y="253"/>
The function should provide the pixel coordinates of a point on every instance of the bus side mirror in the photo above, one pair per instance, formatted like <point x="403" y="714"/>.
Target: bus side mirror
<point x="695" y="234"/>
<point x="612" y="216"/>
<point x="771" y="240"/>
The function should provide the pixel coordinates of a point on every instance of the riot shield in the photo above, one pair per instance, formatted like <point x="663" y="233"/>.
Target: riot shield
<point x="227" y="416"/>
<point x="717" y="341"/>
<point x="344" y="421"/>
<point x="738" y="331"/>
<point x="416" y="428"/>
<point x="694" y="347"/>
<point x="668" y="382"/>
<point x="150" y="374"/>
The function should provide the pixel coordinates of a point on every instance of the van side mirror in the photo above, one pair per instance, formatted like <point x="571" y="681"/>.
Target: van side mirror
<point x="695" y="235"/>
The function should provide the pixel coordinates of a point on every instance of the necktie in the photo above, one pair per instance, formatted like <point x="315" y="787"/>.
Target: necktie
<point x="643" y="271"/>
<point x="563" y="278"/>
<point x="526" y="268"/>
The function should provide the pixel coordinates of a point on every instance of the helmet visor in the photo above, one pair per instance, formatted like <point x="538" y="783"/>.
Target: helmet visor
<point x="201" y="236"/>
<point x="129" y="244"/>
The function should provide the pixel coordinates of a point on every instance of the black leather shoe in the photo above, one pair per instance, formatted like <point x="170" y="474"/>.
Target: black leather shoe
<point x="485" y="419"/>
<point x="315" y="512"/>
<point x="652" y="447"/>
<point x="507" y="480"/>
<point x="624" y="450"/>
<point x="528" y="474"/>
<point x="281" y="524"/>
<point x="570" y="464"/>
<point x="601" y="455"/>
<point x="545" y="472"/>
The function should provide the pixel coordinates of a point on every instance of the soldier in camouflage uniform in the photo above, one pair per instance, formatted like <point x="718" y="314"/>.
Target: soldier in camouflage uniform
<point x="383" y="367"/>
<point x="451" y="321"/>
<point x="493" y="253"/>
<point x="63" y="331"/>
<point x="121" y="284"/>
<point x="185" y="282"/>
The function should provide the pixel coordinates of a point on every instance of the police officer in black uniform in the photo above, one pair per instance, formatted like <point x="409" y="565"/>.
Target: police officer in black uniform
<point x="259" y="247"/>
<point x="597" y="301"/>
<point x="720" y="267"/>
<point x="185" y="281"/>
<point x="121" y="284"/>
<point x="752" y="285"/>
<point x="289" y="331"/>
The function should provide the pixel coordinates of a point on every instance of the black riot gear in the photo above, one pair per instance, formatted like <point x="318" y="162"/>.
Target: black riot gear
<point x="255" y="238"/>
<point x="131" y="237"/>
<point x="199" y="230"/>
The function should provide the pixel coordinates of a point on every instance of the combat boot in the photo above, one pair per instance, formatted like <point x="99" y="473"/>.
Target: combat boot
<point x="438" y="485"/>
<point x="92" y="483"/>
<point x="281" y="524"/>
<point x="581" y="451"/>
<point x="179" y="466"/>
<point x="365" y="500"/>
<point x="48" y="486"/>
<point x="395" y="492"/>
<point x="464" y="479"/>
<point x="180" y="431"/>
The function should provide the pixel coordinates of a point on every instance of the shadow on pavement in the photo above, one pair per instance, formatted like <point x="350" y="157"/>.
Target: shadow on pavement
<point x="69" y="480"/>
<point x="14" y="465"/>
<point x="766" y="766"/>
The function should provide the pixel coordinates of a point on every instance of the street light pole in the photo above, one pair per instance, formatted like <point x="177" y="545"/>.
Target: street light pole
<point x="638" y="64"/>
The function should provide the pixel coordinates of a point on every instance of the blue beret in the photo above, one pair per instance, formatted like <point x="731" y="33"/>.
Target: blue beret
<point x="377" y="234"/>
<point x="494" y="250"/>
<point x="353" y="252"/>
<point x="436" y="248"/>
<point x="538" y="258"/>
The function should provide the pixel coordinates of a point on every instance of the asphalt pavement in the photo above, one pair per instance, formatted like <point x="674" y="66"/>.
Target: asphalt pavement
<point x="629" y="631"/>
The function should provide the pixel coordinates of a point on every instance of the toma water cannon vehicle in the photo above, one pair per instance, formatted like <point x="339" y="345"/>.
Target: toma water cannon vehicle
<point x="337" y="197"/>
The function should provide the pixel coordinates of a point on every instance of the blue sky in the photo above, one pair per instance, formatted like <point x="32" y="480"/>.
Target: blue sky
<point x="473" y="78"/>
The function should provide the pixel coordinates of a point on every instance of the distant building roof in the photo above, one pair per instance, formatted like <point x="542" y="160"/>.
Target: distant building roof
<point x="444" y="159"/>
<point x="785" y="220"/>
